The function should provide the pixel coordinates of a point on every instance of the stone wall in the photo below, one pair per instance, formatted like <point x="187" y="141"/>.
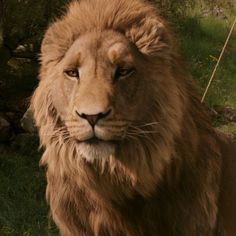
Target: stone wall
<point x="22" y="24"/>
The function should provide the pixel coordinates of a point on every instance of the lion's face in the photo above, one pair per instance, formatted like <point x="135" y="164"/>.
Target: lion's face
<point x="98" y="91"/>
<point x="108" y="82"/>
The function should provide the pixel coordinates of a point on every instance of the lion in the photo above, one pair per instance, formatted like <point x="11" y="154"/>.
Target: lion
<point x="129" y="149"/>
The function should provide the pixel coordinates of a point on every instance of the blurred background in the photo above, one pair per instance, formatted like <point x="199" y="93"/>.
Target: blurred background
<point x="201" y="27"/>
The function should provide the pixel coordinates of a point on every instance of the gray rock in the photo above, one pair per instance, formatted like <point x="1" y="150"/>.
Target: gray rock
<point x="27" y="122"/>
<point x="5" y="130"/>
<point x="227" y="113"/>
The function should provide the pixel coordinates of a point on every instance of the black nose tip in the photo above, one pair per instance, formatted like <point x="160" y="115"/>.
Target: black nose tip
<point x="93" y="119"/>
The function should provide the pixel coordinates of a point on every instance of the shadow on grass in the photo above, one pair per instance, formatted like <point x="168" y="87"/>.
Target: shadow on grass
<point x="23" y="210"/>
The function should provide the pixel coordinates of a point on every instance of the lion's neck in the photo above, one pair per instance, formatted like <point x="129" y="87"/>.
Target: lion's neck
<point x="137" y="178"/>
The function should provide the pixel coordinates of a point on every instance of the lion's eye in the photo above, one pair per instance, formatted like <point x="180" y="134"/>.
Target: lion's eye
<point x="123" y="72"/>
<point x="73" y="73"/>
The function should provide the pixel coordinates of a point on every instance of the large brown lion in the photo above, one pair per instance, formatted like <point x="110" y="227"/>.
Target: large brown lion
<point x="129" y="148"/>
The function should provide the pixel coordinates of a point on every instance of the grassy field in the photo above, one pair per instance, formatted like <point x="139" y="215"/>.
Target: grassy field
<point x="23" y="210"/>
<point x="22" y="206"/>
<point x="201" y="40"/>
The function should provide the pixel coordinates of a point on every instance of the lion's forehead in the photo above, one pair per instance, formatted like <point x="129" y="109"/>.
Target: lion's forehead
<point x="102" y="46"/>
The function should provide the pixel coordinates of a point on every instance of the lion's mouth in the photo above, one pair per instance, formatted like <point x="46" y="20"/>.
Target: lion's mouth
<point x="93" y="140"/>
<point x="97" y="141"/>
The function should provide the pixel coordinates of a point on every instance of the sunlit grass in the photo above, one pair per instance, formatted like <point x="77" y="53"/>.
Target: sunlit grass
<point x="201" y="41"/>
<point x="229" y="129"/>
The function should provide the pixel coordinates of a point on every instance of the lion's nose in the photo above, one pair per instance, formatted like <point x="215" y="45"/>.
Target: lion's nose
<point x="93" y="119"/>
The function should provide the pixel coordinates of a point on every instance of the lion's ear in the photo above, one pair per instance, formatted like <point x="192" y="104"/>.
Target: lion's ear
<point x="150" y="36"/>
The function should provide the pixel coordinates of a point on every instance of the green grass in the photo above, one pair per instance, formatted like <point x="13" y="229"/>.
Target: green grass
<point x="229" y="128"/>
<point x="201" y="41"/>
<point x="23" y="210"/>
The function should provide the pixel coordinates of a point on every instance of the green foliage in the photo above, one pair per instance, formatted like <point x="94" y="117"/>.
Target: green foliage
<point x="181" y="7"/>
<point x="220" y="3"/>
<point x="174" y="7"/>
<point x="29" y="26"/>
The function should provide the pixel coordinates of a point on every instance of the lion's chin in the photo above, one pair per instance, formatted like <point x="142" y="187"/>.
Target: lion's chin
<point x="94" y="148"/>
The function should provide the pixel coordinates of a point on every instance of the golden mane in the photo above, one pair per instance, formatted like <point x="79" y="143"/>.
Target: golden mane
<point x="155" y="182"/>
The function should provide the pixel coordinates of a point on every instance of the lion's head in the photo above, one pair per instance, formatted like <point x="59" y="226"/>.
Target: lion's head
<point x="111" y="91"/>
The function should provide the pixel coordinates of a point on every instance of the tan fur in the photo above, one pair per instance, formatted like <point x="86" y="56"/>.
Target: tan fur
<point x="158" y="170"/>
